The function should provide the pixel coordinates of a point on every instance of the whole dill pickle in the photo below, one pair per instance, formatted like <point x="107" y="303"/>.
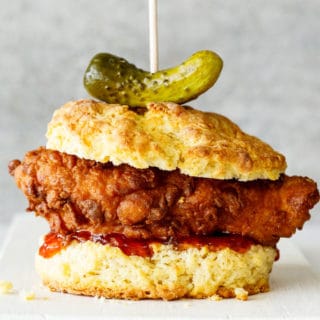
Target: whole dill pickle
<point x="115" y="80"/>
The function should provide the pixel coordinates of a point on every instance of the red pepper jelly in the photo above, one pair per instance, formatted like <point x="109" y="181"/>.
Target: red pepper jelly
<point x="54" y="242"/>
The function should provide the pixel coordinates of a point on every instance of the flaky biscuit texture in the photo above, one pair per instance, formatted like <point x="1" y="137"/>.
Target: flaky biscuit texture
<point x="163" y="135"/>
<point x="93" y="269"/>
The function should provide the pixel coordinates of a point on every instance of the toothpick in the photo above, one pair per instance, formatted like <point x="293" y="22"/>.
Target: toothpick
<point x="153" y="35"/>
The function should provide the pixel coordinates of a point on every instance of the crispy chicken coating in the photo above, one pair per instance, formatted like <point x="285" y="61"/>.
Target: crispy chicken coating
<point x="76" y="194"/>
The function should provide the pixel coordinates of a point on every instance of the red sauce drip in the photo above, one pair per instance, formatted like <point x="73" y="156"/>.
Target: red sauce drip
<point x="54" y="242"/>
<point x="131" y="247"/>
<point x="218" y="242"/>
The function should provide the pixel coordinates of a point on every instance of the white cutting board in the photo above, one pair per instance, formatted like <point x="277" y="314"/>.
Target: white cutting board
<point x="295" y="290"/>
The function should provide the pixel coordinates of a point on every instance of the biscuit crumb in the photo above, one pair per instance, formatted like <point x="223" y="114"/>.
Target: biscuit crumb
<point x="27" y="295"/>
<point x="215" y="297"/>
<point x="241" y="294"/>
<point x="5" y="287"/>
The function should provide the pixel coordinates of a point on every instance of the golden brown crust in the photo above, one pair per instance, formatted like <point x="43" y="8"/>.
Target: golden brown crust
<point x="169" y="274"/>
<point x="168" y="294"/>
<point x="165" y="135"/>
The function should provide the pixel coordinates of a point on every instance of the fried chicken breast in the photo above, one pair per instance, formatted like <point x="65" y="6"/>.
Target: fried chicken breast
<point x="76" y="194"/>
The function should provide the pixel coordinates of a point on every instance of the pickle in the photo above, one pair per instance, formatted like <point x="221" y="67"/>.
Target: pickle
<point x="114" y="80"/>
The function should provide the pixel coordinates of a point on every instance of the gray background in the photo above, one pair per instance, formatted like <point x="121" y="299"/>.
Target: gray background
<point x="270" y="83"/>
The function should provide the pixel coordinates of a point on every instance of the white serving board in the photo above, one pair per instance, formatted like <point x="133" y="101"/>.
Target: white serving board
<point x="295" y="290"/>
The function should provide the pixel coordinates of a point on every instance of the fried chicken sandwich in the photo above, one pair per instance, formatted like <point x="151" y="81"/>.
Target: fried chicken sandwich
<point x="161" y="202"/>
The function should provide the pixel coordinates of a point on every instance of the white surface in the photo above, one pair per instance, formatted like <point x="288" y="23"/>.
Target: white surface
<point x="295" y="290"/>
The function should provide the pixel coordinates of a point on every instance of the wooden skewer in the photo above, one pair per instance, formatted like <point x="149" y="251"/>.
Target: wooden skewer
<point x="153" y="35"/>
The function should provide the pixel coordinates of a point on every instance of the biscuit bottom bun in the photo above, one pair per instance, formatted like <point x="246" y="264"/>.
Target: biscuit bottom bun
<point x="94" y="269"/>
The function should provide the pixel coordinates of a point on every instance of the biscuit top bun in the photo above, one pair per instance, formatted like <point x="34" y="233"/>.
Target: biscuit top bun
<point x="164" y="135"/>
